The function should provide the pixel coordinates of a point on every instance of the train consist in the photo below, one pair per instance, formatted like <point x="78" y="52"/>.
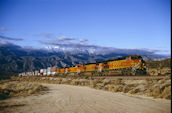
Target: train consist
<point x="129" y="65"/>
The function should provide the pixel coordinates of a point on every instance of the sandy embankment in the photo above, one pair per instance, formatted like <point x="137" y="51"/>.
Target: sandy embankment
<point x="76" y="99"/>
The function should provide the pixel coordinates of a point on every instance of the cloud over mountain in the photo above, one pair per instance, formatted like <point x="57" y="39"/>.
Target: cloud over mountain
<point x="3" y="29"/>
<point x="68" y="42"/>
<point x="46" y="34"/>
<point x="63" y="39"/>
<point x="78" y="45"/>
<point x="73" y="44"/>
<point x="83" y="40"/>
<point x="6" y="44"/>
<point x="10" y="38"/>
<point x="3" y="42"/>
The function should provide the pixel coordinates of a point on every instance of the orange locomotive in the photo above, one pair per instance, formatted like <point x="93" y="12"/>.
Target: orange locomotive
<point x="127" y="62"/>
<point x="130" y="65"/>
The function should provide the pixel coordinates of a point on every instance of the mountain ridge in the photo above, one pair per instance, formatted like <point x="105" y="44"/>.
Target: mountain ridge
<point x="17" y="59"/>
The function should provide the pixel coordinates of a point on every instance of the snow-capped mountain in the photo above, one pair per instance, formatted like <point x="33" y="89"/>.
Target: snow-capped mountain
<point x="146" y="54"/>
<point x="17" y="59"/>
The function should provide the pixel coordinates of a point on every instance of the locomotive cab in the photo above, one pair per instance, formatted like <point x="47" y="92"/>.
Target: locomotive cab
<point x="136" y="57"/>
<point x="140" y="64"/>
<point x="128" y="58"/>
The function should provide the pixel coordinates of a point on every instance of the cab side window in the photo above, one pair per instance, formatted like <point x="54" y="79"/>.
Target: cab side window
<point x="139" y="57"/>
<point x="133" y="58"/>
<point x="127" y="58"/>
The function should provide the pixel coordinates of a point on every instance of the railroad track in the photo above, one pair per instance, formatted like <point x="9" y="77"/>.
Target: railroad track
<point x="135" y="77"/>
<point x="138" y="77"/>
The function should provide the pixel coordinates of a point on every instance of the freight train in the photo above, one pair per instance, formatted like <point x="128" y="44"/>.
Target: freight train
<point x="129" y="65"/>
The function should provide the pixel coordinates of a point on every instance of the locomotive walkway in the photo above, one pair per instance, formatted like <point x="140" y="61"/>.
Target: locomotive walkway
<point x="76" y="99"/>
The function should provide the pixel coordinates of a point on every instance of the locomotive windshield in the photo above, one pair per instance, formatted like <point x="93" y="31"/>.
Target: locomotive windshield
<point x="134" y="58"/>
<point x="137" y="57"/>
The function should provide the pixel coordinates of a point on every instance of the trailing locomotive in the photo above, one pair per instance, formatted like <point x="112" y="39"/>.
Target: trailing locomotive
<point x="129" y="65"/>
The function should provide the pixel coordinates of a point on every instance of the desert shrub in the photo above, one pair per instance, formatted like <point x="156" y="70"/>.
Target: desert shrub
<point x="83" y="82"/>
<point x="160" y="89"/>
<point x="117" y="88"/>
<point x="92" y="85"/>
<point x="161" y="81"/>
<point x="110" y="88"/>
<point x="134" y="91"/>
<point x="94" y="82"/>
<point x="166" y="93"/>
<point x="71" y="76"/>
<point x="85" y="77"/>
<point x="132" y="85"/>
<point x="47" y="80"/>
<point x="105" y="87"/>
<point x="126" y="89"/>
<point x="106" y="82"/>
<point x="155" y="88"/>
<point x="168" y="77"/>
<point x="87" y="82"/>
<point x="53" y="82"/>
<point x="164" y="85"/>
<point x="99" y="86"/>
<point x="118" y="81"/>
<point x="155" y="92"/>
<point x="64" y="81"/>
<point x="15" y="88"/>
<point x="75" y="82"/>
<point x="149" y="81"/>
<point x="58" y="81"/>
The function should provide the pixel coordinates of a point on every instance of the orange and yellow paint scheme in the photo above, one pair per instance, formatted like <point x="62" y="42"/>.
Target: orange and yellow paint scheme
<point x="90" y="67"/>
<point x="128" y="62"/>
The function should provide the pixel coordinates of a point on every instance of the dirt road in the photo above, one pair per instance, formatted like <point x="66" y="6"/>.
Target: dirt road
<point x="76" y="99"/>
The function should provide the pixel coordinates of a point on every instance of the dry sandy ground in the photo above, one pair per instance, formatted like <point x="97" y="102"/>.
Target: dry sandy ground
<point x="76" y="99"/>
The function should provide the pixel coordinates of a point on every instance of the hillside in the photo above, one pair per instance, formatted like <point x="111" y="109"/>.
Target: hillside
<point x="16" y="59"/>
<point x="159" y="67"/>
<point x="159" y="64"/>
<point x="19" y="60"/>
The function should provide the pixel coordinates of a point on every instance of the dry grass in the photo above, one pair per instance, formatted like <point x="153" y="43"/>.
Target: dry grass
<point x="118" y="81"/>
<point x="155" y="88"/>
<point x="155" y="93"/>
<point x="126" y="89"/>
<point x="18" y="88"/>
<point x="166" y="93"/>
<point x="105" y="82"/>
<point x="118" y="88"/>
<point x="160" y="89"/>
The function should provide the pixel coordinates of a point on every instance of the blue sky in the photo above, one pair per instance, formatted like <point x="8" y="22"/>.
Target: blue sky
<point x="108" y="23"/>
